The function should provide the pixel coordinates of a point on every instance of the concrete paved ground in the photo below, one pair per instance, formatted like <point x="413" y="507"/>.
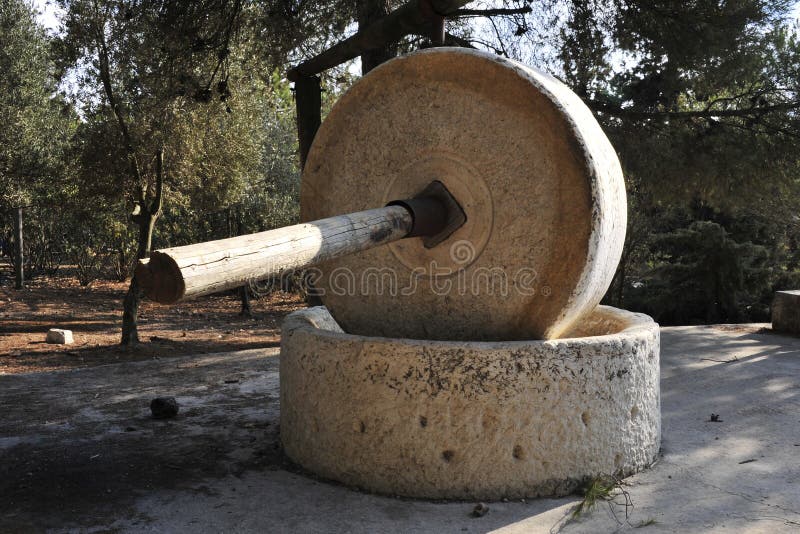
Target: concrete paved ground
<point x="78" y="452"/>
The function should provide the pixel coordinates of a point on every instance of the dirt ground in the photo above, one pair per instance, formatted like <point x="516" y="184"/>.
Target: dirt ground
<point x="94" y="314"/>
<point x="81" y="453"/>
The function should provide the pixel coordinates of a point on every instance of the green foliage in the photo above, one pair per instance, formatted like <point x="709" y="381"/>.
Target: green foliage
<point x="98" y="243"/>
<point x="36" y="124"/>
<point x="146" y="72"/>
<point x="699" y="274"/>
<point x="141" y="72"/>
<point x="43" y="250"/>
<point x="34" y="138"/>
<point x="688" y="265"/>
<point x="160" y="76"/>
<point x="266" y="194"/>
<point x="700" y="100"/>
<point x="584" y="50"/>
<point x="598" y="489"/>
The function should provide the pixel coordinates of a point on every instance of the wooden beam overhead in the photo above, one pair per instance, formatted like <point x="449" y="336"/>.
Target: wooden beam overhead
<point x="417" y="17"/>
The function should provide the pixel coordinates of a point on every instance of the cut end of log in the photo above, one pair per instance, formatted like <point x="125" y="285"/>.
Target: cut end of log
<point x="160" y="278"/>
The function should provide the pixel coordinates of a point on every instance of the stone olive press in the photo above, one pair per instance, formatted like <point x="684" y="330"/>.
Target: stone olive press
<point x="462" y="351"/>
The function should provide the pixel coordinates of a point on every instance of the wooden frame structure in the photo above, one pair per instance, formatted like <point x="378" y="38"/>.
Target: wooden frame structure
<point x="417" y="17"/>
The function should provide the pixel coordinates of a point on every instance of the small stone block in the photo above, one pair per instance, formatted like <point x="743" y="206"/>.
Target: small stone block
<point x="786" y="312"/>
<point x="59" y="336"/>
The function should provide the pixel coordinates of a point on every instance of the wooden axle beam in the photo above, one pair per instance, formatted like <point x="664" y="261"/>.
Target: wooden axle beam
<point x="178" y="273"/>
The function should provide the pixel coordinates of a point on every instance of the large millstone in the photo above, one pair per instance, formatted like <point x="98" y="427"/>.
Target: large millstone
<point x="471" y="420"/>
<point x="539" y="183"/>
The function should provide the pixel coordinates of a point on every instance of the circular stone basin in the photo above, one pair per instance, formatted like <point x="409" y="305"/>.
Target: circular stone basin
<point x="471" y="420"/>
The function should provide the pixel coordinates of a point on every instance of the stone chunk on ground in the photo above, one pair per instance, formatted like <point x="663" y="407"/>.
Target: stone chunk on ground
<point x="59" y="336"/>
<point x="164" y="407"/>
<point x="786" y="312"/>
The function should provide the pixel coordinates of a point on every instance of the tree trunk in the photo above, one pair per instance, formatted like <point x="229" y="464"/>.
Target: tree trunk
<point x="19" y="255"/>
<point x="244" y="294"/>
<point x="122" y="264"/>
<point x="621" y="274"/>
<point x="145" y="216"/>
<point x="130" y="305"/>
<point x="244" y="291"/>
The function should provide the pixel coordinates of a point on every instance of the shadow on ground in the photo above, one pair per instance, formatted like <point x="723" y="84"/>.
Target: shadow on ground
<point x="79" y="451"/>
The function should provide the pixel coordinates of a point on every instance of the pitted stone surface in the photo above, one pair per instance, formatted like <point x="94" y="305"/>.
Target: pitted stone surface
<point x="786" y="312"/>
<point x="471" y="420"/>
<point x="538" y="180"/>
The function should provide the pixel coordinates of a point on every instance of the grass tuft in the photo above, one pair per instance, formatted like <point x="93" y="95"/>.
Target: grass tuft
<point x="597" y="489"/>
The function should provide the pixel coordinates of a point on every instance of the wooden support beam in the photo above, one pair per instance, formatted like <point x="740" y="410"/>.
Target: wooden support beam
<point x="436" y="21"/>
<point x="413" y="18"/>
<point x="308" y="103"/>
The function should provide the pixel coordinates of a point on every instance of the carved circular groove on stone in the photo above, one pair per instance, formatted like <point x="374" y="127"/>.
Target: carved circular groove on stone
<point x="539" y="181"/>
<point x="463" y="182"/>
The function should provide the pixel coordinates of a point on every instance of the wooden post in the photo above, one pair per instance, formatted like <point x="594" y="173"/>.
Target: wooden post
<point x="436" y="18"/>
<point x="308" y="102"/>
<point x="19" y="256"/>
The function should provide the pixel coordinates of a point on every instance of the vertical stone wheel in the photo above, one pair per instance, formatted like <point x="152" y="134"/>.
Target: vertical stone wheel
<point x="539" y="182"/>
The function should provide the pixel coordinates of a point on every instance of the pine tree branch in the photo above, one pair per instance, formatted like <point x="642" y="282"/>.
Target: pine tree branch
<point x="617" y="111"/>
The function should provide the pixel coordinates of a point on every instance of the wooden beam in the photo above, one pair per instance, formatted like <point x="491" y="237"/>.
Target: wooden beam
<point x="413" y="18"/>
<point x="308" y="102"/>
<point x="179" y="273"/>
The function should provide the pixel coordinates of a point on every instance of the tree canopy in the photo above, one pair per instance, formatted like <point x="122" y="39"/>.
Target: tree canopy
<point x="181" y="112"/>
<point x="36" y="122"/>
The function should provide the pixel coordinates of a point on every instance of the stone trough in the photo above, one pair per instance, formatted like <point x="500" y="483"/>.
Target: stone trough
<point x="471" y="420"/>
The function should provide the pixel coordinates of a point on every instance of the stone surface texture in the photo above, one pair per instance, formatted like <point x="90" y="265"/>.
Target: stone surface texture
<point x="470" y="420"/>
<point x="59" y="336"/>
<point x="539" y="182"/>
<point x="786" y="312"/>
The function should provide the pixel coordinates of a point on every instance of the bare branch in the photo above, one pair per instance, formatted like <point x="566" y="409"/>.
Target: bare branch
<point x="499" y="12"/>
<point x="499" y="38"/>
<point x="451" y="39"/>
